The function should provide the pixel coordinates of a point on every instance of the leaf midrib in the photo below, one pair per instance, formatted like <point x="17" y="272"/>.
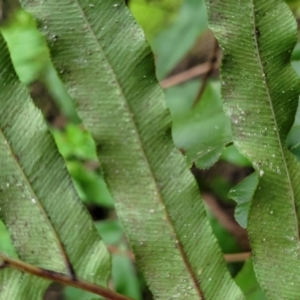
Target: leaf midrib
<point x="158" y="193"/>
<point x="66" y="260"/>
<point x="274" y="118"/>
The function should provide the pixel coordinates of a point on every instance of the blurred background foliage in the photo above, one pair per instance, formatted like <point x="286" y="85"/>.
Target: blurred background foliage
<point x="187" y="62"/>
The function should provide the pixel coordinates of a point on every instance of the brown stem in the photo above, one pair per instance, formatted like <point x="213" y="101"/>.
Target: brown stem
<point x="186" y="75"/>
<point x="211" y="63"/>
<point x="239" y="233"/>
<point x="234" y="257"/>
<point x="115" y="250"/>
<point x="61" y="278"/>
<point x="237" y="257"/>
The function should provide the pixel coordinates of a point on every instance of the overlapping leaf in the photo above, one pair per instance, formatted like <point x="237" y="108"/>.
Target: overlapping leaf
<point x="200" y="131"/>
<point x="109" y="71"/>
<point x="261" y="91"/>
<point x="48" y="224"/>
<point x="243" y="194"/>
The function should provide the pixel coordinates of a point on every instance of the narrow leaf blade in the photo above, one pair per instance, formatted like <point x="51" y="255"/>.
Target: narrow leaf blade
<point x="121" y="103"/>
<point x="38" y="204"/>
<point x="260" y="90"/>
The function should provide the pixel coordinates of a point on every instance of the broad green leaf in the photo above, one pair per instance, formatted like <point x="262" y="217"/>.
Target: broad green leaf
<point x="200" y="131"/>
<point x="122" y="105"/>
<point x="296" y="52"/>
<point x="110" y="230"/>
<point x="260" y="90"/>
<point x="124" y="277"/>
<point x="226" y="241"/>
<point x="243" y="194"/>
<point x="190" y="24"/>
<point x="78" y="149"/>
<point x="293" y="137"/>
<point x="232" y="155"/>
<point x="91" y="185"/>
<point x="294" y="5"/>
<point x="154" y="16"/>
<point x="6" y="245"/>
<point x="71" y="293"/>
<point x="47" y="223"/>
<point x="247" y="281"/>
<point x="31" y="58"/>
<point x="75" y="142"/>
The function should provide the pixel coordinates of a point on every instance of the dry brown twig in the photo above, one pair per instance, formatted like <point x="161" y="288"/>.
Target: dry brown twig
<point x="6" y="261"/>
<point x="187" y="75"/>
<point x="234" y="257"/>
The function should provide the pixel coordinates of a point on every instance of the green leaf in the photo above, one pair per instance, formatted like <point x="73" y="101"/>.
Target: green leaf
<point x="75" y="142"/>
<point x="293" y="138"/>
<point x="111" y="231"/>
<point x="120" y="102"/>
<point x="71" y="293"/>
<point x="191" y="22"/>
<point x="247" y="281"/>
<point x="124" y="277"/>
<point x="200" y="131"/>
<point x="243" y="194"/>
<point x="296" y="52"/>
<point x="31" y="59"/>
<point x="232" y="155"/>
<point x="92" y="186"/>
<point x="47" y="222"/>
<point x="153" y="16"/>
<point x="260" y="90"/>
<point x="226" y="241"/>
<point x="6" y="245"/>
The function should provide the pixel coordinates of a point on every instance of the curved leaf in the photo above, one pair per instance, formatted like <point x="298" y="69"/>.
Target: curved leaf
<point x="247" y="281"/>
<point x="260" y="91"/>
<point x="31" y="59"/>
<point x="200" y="131"/>
<point x="154" y="15"/>
<point x="243" y="193"/>
<point x="191" y="22"/>
<point x="121" y="103"/>
<point x="37" y="200"/>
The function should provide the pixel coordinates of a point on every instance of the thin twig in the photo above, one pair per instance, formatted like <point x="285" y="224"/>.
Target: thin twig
<point x="234" y="257"/>
<point x="61" y="278"/>
<point x="115" y="250"/>
<point x="188" y="75"/>
<point x="226" y="221"/>
<point x="237" y="257"/>
<point x="211" y="63"/>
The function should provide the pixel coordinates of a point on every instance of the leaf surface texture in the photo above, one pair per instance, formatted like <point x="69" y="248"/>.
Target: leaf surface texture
<point x="109" y="71"/>
<point x="260" y="90"/>
<point x="47" y="222"/>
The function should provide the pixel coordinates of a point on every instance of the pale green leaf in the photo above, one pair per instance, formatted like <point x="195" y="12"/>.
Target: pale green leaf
<point x="232" y="155"/>
<point x="6" y="245"/>
<point x="71" y="293"/>
<point x="121" y="103"/>
<point x="201" y="131"/>
<point x="124" y="277"/>
<point x="47" y="223"/>
<point x="243" y="194"/>
<point x="260" y="90"/>
<point x="153" y="16"/>
<point x="32" y="63"/>
<point x="191" y="22"/>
